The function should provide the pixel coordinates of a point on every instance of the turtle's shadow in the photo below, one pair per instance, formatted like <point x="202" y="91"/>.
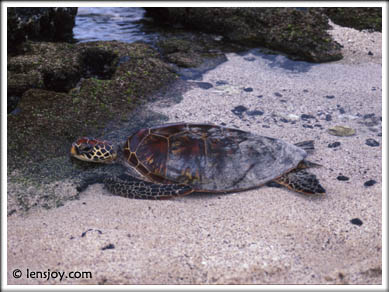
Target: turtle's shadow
<point x="214" y="196"/>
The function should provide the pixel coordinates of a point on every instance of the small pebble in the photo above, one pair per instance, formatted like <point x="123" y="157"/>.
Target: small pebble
<point x="356" y="221"/>
<point x="255" y="113"/>
<point x="109" y="246"/>
<point x="284" y="120"/>
<point x="342" y="178"/>
<point x="341" y="111"/>
<point x="238" y="110"/>
<point x="248" y="89"/>
<point x="305" y="90"/>
<point x="334" y="145"/>
<point x="370" y="183"/>
<point x="278" y="94"/>
<point x="204" y="85"/>
<point x="330" y="96"/>
<point x="305" y="117"/>
<point x="307" y="126"/>
<point x="221" y="82"/>
<point x="370" y="53"/>
<point x="372" y="142"/>
<point x="328" y="118"/>
<point x="250" y="59"/>
<point x="341" y="131"/>
<point x="260" y="96"/>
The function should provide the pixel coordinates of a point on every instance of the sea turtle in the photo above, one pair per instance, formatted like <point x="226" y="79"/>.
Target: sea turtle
<point x="178" y="159"/>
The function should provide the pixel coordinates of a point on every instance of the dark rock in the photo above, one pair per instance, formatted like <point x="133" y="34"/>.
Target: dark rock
<point x="334" y="145"/>
<point x="370" y="183"/>
<point x="284" y="120"/>
<point x="38" y="24"/>
<point x="254" y="113"/>
<point x="260" y="96"/>
<point x="341" y="110"/>
<point x="372" y="142"/>
<point x="221" y="82"/>
<point x="307" y="126"/>
<point x="248" y="89"/>
<point x="305" y="90"/>
<point x="301" y="34"/>
<point x="330" y="96"/>
<point x="108" y="246"/>
<point x="370" y="53"/>
<point x="306" y="117"/>
<point x="342" y="178"/>
<point x="328" y="117"/>
<point x="277" y="94"/>
<point x="204" y="85"/>
<point x="249" y="59"/>
<point x="239" y="110"/>
<point x="356" y="221"/>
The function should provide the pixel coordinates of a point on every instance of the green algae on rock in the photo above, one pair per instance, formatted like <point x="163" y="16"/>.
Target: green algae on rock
<point x="301" y="34"/>
<point x="55" y="116"/>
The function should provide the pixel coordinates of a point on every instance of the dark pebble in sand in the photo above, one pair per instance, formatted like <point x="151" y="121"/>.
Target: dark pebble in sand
<point x="372" y="142"/>
<point x="238" y="110"/>
<point x="342" y="178"/>
<point x="330" y="96"/>
<point x="221" y="82"/>
<point x="108" y="246"/>
<point x="333" y="145"/>
<point x="305" y="90"/>
<point x="308" y="126"/>
<point x="260" y="96"/>
<point x="255" y="113"/>
<point x="284" y="120"/>
<point x="305" y="117"/>
<point x="370" y="183"/>
<point x="248" y="89"/>
<point x="370" y="53"/>
<point x="328" y="118"/>
<point x="368" y="116"/>
<point x="356" y="221"/>
<point x="265" y="126"/>
<point x="204" y="85"/>
<point x="278" y="94"/>
<point x="250" y="59"/>
<point x="341" y="110"/>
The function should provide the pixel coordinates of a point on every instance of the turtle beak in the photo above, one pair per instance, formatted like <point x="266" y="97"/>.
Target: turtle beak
<point x="73" y="150"/>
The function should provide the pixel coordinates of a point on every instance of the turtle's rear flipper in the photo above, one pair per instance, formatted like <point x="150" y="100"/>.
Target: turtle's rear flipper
<point x="130" y="187"/>
<point x="308" y="146"/>
<point x="299" y="180"/>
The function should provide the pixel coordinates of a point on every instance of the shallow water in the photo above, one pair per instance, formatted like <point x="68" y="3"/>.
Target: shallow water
<point x="110" y="23"/>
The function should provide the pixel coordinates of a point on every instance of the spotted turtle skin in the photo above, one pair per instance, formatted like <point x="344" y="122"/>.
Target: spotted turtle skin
<point x="209" y="158"/>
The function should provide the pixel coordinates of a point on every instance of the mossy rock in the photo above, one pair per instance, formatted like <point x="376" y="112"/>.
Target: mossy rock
<point x="53" y="120"/>
<point x="356" y="17"/>
<point x="300" y="33"/>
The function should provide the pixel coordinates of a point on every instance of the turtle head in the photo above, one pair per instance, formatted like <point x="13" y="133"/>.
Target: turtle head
<point x="93" y="150"/>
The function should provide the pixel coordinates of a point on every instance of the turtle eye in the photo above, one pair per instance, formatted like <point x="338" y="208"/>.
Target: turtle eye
<point x="85" y="148"/>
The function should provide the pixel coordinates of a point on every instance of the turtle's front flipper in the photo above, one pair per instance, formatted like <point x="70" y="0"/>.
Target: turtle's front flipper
<point x="130" y="187"/>
<point x="299" y="180"/>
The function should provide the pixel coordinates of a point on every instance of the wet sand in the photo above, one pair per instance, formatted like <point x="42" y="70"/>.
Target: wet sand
<point x="263" y="236"/>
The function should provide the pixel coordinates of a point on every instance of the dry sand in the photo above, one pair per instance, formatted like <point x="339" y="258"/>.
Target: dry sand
<point x="264" y="236"/>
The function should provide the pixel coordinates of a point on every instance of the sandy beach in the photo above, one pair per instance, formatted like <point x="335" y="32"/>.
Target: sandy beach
<point x="264" y="236"/>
